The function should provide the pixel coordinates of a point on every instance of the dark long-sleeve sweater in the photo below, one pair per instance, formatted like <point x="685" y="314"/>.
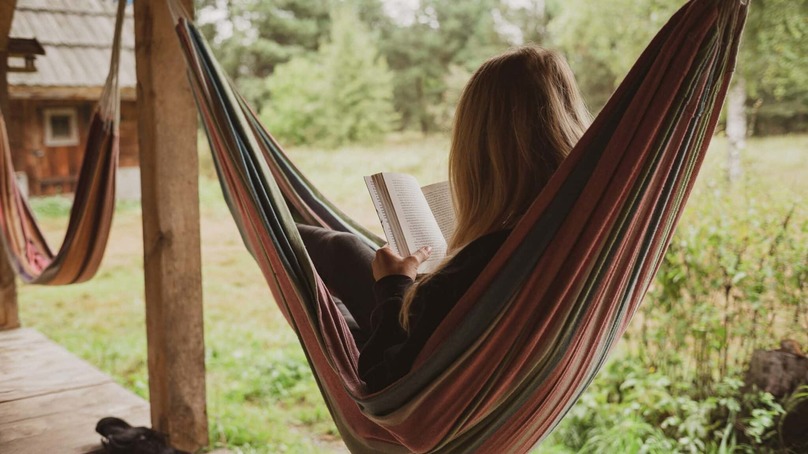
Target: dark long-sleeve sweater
<point x="390" y="351"/>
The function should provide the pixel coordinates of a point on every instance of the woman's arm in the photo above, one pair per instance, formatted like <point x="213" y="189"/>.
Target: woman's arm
<point x="390" y="351"/>
<point x="380" y="361"/>
<point x="383" y="358"/>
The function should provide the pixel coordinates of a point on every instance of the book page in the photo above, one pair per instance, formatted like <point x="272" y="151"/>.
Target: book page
<point x="384" y="210"/>
<point x="415" y="219"/>
<point x="406" y="218"/>
<point x="439" y="198"/>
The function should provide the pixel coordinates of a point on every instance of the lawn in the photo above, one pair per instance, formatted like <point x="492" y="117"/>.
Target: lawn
<point x="261" y="395"/>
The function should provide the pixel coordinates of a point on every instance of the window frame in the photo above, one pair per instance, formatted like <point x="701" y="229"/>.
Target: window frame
<point x="73" y="138"/>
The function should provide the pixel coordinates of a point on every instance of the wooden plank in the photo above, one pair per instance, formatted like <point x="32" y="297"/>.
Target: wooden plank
<point x="7" y="8"/>
<point x="37" y="164"/>
<point x="57" y="397"/>
<point x="111" y="398"/>
<point x="18" y="339"/>
<point x="9" y="315"/>
<point x="31" y="365"/>
<point x="15" y="122"/>
<point x="128" y="140"/>
<point x="65" y="421"/>
<point x="59" y="162"/>
<point x="167" y="128"/>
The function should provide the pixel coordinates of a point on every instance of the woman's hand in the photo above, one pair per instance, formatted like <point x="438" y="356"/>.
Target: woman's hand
<point x="387" y="262"/>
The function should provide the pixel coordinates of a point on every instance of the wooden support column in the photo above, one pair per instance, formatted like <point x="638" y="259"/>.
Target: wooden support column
<point x="167" y="127"/>
<point x="9" y="317"/>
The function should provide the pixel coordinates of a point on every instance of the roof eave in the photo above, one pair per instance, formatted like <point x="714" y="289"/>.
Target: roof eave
<point x="72" y="93"/>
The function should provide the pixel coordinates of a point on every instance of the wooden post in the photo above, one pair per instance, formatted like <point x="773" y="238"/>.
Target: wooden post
<point x="167" y="127"/>
<point x="9" y="317"/>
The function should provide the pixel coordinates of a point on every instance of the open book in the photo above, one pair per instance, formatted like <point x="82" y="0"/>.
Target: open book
<point x="413" y="217"/>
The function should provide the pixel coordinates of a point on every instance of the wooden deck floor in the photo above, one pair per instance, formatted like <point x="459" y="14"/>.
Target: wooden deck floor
<point x="50" y="400"/>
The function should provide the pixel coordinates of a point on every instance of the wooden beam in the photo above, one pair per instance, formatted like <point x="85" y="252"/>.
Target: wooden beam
<point x="39" y="92"/>
<point x="167" y="127"/>
<point x="7" y="8"/>
<point x="9" y="315"/>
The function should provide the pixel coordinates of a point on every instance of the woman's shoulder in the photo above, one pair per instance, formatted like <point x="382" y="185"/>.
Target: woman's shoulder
<point x="494" y="238"/>
<point x="479" y="251"/>
<point x="454" y="278"/>
<point x="486" y="243"/>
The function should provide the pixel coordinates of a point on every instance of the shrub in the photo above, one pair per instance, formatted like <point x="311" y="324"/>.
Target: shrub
<point x="342" y="94"/>
<point x="733" y="280"/>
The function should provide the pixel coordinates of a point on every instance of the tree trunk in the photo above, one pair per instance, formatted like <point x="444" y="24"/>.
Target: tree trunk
<point x="776" y="372"/>
<point x="736" y="127"/>
<point x="532" y="21"/>
<point x="539" y="15"/>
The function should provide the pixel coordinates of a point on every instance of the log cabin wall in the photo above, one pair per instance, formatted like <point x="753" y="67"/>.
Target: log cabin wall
<point x="54" y="168"/>
<point x="130" y="156"/>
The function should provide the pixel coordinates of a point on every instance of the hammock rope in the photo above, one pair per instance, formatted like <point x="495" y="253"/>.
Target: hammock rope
<point x="527" y="338"/>
<point x="82" y="249"/>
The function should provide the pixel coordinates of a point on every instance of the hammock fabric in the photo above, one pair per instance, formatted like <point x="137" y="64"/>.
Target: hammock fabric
<point x="88" y="229"/>
<point x="531" y="333"/>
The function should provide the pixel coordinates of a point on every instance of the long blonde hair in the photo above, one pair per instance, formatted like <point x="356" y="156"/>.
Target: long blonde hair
<point x="517" y="119"/>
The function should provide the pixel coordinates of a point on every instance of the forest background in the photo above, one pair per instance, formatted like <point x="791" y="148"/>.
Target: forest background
<point x="355" y="70"/>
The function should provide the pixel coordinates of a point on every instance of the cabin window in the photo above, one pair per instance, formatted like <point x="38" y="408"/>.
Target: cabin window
<point x="61" y="127"/>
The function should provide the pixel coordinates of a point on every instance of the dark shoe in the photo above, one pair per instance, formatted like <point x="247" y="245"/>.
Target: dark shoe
<point x="122" y="438"/>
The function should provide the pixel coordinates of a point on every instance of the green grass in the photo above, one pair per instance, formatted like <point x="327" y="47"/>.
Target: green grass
<point x="261" y="395"/>
<point x="779" y="164"/>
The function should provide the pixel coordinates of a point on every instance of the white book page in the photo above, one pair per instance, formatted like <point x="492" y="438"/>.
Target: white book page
<point x="439" y="198"/>
<point x="382" y="210"/>
<point x="415" y="217"/>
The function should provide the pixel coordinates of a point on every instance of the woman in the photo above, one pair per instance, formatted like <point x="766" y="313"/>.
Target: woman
<point x="517" y="119"/>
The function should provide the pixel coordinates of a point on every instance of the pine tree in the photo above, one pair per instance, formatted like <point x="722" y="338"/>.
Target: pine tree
<point x="361" y="95"/>
<point x="342" y="94"/>
<point x="444" y="39"/>
<point x="255" y="36"/>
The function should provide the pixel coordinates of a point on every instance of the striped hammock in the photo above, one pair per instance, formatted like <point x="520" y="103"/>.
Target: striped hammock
<point x="527" y="338"/>
<point x="79" y="257"/>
